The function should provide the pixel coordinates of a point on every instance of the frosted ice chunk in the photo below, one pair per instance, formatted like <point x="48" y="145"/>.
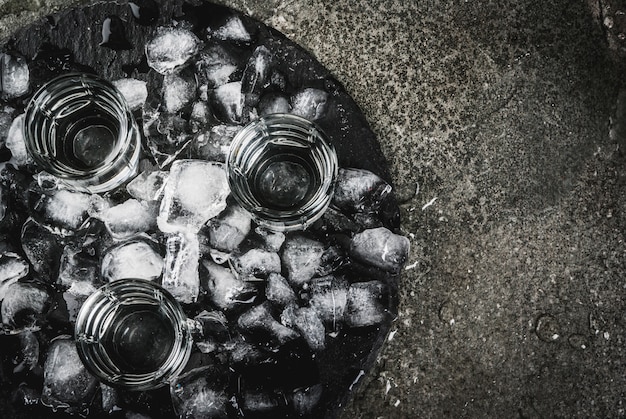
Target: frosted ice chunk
<point x="329" y="296"/>
<point x="301" y="257"/>
<point x="194" y="193"/>
<point x="256" y="75"/>
<point x="213" y="330"/>
<point x="66" y="383"/>
<point x="171" y="49"/>
<point x="132" y="259"/>
<point x="166" y="134"/>
<point x="110" y="398"/>
<point x="29" y="354"/>
<point x="201" y="393"/>
<point x="259" y="319"/>
<point x="274" y="103"/>
<point x="215" y="144"/>
<point x="148" y="186"/>
<point x="359" y="190"/>
<point x="200" y="116"/>
<point x="15" y="142"/>
<point x="227" y="231"/>
<point x="365" y="306"/>
<point x="12" y="268"/>
<point x="225" y="290"/>
<point x="41" y="247"/>
<point x="278" y="290"/>
<point x="178" y="91"/>
<point x="14" y="76"/>
<point x="181" y="267"/>
<point x="257" y="263"/>
<point x="227" y="102"/>
<point x="272" y="241"/>
<point x="381" y="248"/>
<point x="78" y="271"/>
<point x="128" y="218"/>
<point x="22" y="305"/>
<point x="216" y="65"/>
<point x="134" y="91"/>
<point x="306" y="321"/>
<point x="255" y="403"/>
<point x="233" y="30"/>
<point x="309" y="103"/>
<point x="61" y="210"/>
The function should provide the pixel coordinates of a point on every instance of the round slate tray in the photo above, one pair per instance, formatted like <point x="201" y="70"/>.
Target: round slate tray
<point x="109" y="39"/>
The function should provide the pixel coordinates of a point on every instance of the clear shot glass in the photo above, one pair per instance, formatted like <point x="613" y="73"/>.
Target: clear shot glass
<point x="282" y="169"/>
<point x="133" y="333"/>
<point x="79" y="128"/>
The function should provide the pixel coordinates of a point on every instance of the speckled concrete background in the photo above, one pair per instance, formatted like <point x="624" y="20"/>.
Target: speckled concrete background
<point x="502" y="116"/>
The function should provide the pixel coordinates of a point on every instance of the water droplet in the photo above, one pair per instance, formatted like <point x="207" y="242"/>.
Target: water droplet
<point x="145" y="12"/>
<point x="113" y="34"/>
<point x="547" y="328"/>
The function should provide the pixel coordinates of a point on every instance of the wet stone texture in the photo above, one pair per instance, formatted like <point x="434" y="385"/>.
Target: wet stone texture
<point x="504" y="126"/>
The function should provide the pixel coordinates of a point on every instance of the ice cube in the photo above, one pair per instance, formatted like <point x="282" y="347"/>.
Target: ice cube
<point x="128" y="218"/>
<point x="256" y="75"/>
<point x="61" y="210"/>
<point x="22" y="305"/>
<point x="41" y="247"/>
<point x="213" y="330"/>
<point x="232" y="30"/>
<point x="365" y="306"/>
<point x="166" y="133"/>
<point x="14" y="76"/>
<point x="381" y="248"/>
<point x="255" y="263"/>
<point x="329" y="296"/>
<point x="216" y="65"/>
<point x="214" y="144"/>
<point x="171" y="48"/>
<point x="110" y="398"/>
<point x="75" y="297"/>
<point x="227" y="102"/>
<point x="76" y="267"/>
<point x="26" y="396"/>
<point x="200" y="116"/>
<point x="134" y="91"/>
<point x="271" y="240"/>
<point x="194" y="193"/>
<point x="306" y="321"/>
<point x="12" y="268"/>
<point x="178" y="91"/>
<point x="359" y="190"/>
<point x="29" y="354"/>
<point x="224" y="289"/>
<point x="16" y="143"/>
<point x="278" y="290"/>
<point x="274" y="103"/>
<point x="301" y="257"/>
<point x="148" y="186"/>
<point x="227" y="231"/>
<point x="259" y="319"/>
<point x="309" y="103"/>
<point x="180" y="277"/>
<point x="67" y="385"/>
<point x="6" y="120"/>
<point x="202" y="393"/>
<point x="132" y="259"/>
<point x="259" y="403"/>
<point x="304" y="400"/>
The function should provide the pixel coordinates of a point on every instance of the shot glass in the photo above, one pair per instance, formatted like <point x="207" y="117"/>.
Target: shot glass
<point x="132" y="333"/>
<point x="282" y="169"/>
<point x="79" y="128"/>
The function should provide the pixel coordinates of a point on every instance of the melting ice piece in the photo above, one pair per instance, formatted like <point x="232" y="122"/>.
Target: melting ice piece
<point x="132" y="259"/>
<point x="128" y="218"/>
<point x="12" y="268"/>
<point x="14" y="76"/>
<point x="272" y="240"/>
<point x="166" y="133"/>
<point x="180" y="277"/>
<point x="329" y="297"/>
<point x="364" y="306"/>
<point x="225" y="290"/>
<point x="178" y="91"/>
<point x="213" y="328"/>
<point x="148" y="185"/>
<point x="15" y="142"/>
<point x="134" y="91"/>
<point x="41" y="247"/>
<point x="278" y="290"/>
<point x="381" y="248"/>
<point x="29" y="356"/>
<point x="233" y="30"/>
<point x="302" y="257"/>
<point x="214" y="144"/>
<point x="22" y="305"/>
<point x="194" y="193"/>
<point x="306" y="321"/>
<point x="227" y="231"/>
<point x="274" y="103"/>
<point x="171" y="49"/>
<point x="254" y="403"/>
<point x="216" y="65"/>
<point x="110" y="398"/>
<point x="201" y="393"/>
<point x="77" y="268"/>
<point x="61" y="210"/>
<point x="309" y="103"/>
<point x="304" y="400"/>
<point x="256" y="263"/>
<point x="259" y="319"/>
<point x="359" y="190"/>
<point x="256" y="75"/>
<point x="227" y="102"/>
<point x="66" y="383"/>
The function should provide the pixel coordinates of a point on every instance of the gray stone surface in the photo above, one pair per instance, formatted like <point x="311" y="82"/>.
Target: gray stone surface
<point x="498" y="115"/>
